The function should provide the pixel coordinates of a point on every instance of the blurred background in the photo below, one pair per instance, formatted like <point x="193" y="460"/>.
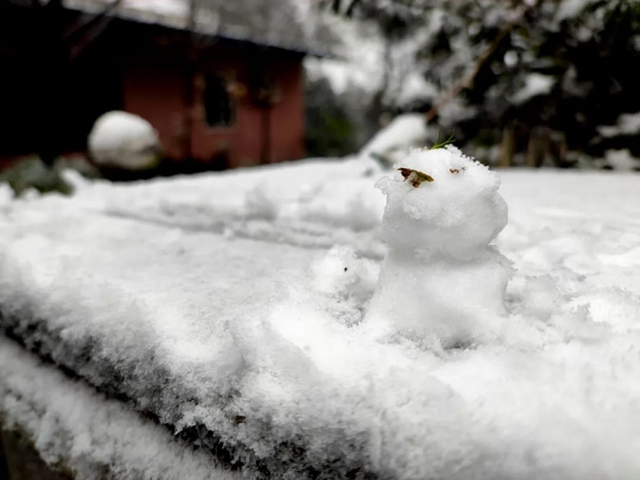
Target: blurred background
<point x="130" y="89"/>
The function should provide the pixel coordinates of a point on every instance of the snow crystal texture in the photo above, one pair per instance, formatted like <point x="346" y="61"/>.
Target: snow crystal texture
<point x="74" y="428"/>
<point x="232" y="308"/>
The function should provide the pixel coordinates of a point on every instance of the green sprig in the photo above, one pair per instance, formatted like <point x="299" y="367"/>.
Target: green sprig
<point x="444" y="143"/>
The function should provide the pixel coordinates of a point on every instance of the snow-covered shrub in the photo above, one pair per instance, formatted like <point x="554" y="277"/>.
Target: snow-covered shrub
<point x="621" y="160"/>
<point x="123" y="140"/>
<point x="30" y="173"/>
<point x="441" y="278"/>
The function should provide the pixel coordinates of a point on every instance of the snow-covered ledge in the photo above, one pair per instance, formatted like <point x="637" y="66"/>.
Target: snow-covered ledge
<point x="231" y="310"/>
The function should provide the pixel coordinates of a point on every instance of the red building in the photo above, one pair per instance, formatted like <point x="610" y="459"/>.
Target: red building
<point x="223" y="97"/>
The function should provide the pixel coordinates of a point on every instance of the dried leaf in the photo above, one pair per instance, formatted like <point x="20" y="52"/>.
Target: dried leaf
<point x="415" y="177"/>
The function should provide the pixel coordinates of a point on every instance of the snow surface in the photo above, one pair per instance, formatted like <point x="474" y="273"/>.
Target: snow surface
<point x="71" y="425"/>
<point x="169" y="12"/>
<point x="233" y="303"/>
<point x="124" y="140"/>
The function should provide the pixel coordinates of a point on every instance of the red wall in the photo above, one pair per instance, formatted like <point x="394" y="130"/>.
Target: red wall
<point x="155" y="91"/>
<point x="156" y="94"/>
<point x="287" y="117"/>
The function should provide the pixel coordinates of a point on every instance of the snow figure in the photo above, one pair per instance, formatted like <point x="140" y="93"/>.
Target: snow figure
<point x="441" y="280"/>
<point x="123" y="140"/>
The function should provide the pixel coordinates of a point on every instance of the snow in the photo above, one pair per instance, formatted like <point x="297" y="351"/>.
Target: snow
<point x="438" y="234"/>
<point x="535" y="84"/>
<point x="391" y="142"/>
<point x="6" y="193"/>
<point x="570" y="9"/>
<point x="355" y="61"/>
<point x="511" y="58"/>
<point x="628" y="124"/>
<point x="70" y="425"/>
<point x="214" y="315"/>
<point x="166" y="12"/>
<point x="124" y="140"/>
<point x="622" y="159"/>
<point x="174" y="8"/>
<point x="415" y="88"/>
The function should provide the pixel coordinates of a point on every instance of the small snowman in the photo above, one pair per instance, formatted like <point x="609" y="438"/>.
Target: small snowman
<point x="441" y="280"/>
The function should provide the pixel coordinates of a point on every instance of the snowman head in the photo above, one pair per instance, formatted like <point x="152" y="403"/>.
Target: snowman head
<point x="440" y="202"/>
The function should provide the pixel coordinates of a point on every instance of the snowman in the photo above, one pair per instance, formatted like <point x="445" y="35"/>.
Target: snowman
<point x="442" y="280"/>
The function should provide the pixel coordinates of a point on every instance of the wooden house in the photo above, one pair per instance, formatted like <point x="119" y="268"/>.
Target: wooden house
<point x="223" y="88"/>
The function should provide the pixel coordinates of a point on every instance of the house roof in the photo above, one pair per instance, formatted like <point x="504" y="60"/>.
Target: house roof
<point x="272" y="23"/>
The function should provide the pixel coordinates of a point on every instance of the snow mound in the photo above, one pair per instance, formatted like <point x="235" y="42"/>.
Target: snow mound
<point x="393" y="141"/>
<point x="123" y="140"/>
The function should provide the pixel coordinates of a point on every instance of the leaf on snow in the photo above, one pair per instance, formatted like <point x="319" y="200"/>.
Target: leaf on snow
<point x="415" y="177"/>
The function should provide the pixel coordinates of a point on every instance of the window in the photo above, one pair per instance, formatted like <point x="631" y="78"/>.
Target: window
<point x="217" y="104"/>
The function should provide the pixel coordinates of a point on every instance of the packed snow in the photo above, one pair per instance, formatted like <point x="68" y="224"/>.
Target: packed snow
<point x="256" y="307"/>
<point x="438" y="232"/>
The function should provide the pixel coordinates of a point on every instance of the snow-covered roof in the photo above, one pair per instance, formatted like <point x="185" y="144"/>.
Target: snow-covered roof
<point x="271" y="23"/>
<point x="217" y="304"/>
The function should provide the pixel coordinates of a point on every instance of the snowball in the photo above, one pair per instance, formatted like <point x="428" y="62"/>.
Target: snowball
<point x="441" y="278"/>
<point x="123" y="140"/>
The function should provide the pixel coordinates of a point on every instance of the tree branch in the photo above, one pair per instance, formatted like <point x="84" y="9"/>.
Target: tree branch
<point x="92" y="20"/>
<point x="467" y="82"/>
<point x="89" y="30"/>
